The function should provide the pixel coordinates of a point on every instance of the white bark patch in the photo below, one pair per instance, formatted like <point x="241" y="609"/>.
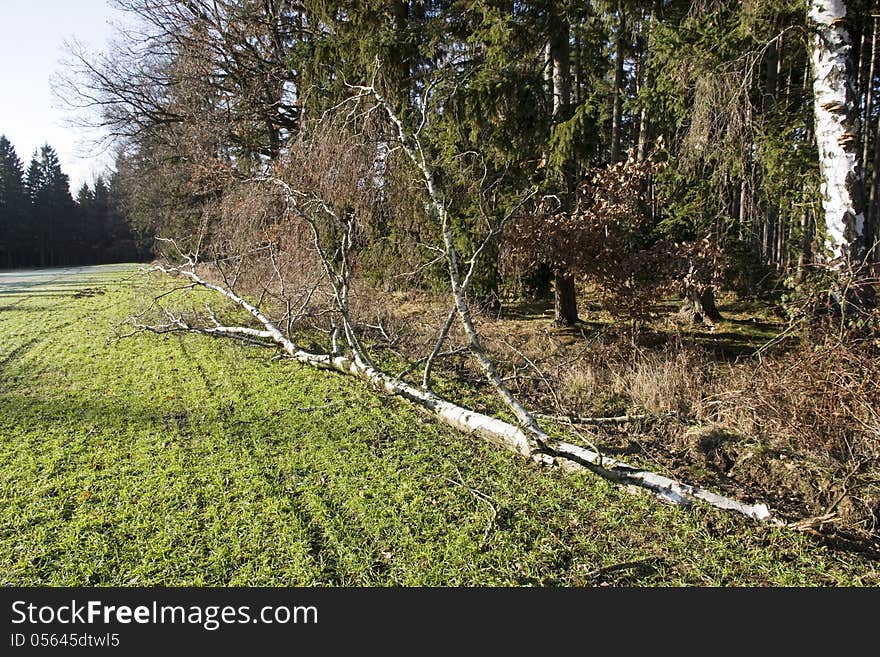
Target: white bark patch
<point x="835" y="136"/>
<point x="511" y="437"/>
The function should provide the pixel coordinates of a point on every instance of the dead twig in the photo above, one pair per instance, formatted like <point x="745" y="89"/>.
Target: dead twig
<point x="618" y="419"/>
<point x="480" y="496"/>
<point x="623" y="565"/>
<point x="810" y="524"/>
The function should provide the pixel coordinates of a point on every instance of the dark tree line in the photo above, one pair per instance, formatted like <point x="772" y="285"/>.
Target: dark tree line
<point x="515" y="95"/>
<point x="42" y="225"/>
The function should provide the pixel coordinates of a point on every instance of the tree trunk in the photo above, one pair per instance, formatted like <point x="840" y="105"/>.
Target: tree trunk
<point x="782" y="230"/>
<point x="699" y="306"/>
<point x="560" y="56"/>
<point x="774" y="219"/>
<point x="617" y="108"/>
<point x="400" y="64"/>
<point x="870" y="154"/>
<point x="771" y="83"/>
<point x="644" y="121"/>
<point x="872" y="229"/>
<point x="577" y="74"/>
<point x="642" y="148"/>
<point x="869" y="99"/>
<point x="836" y="138"/>
<point x="806" y="251"/>
<point x="565" y="298"/>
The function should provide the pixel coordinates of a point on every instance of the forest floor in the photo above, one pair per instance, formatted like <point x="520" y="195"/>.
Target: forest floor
<point x="748" y="406"/>
<point x="180" y="460"/>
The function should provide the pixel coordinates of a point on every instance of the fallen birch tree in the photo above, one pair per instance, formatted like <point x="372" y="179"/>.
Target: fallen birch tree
<point x="529" y="442"/>
<point x="295" y="268"/>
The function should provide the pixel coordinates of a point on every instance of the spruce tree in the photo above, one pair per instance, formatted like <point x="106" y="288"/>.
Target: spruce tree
<point x="53" y="211"/>
<point x="13" y="204"/>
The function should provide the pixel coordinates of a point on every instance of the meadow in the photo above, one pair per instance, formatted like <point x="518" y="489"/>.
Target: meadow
<point x="179" y="460"/>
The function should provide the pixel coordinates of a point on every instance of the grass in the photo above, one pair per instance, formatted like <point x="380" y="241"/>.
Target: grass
<point x="178" y="460"/>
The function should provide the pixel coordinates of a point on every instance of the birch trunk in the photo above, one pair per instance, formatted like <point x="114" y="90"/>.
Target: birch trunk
<point x="527" y="441"/>
<point x="833" y="104"/>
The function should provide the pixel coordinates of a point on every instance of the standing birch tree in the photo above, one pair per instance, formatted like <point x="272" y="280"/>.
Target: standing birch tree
<point x="833" y="103"/>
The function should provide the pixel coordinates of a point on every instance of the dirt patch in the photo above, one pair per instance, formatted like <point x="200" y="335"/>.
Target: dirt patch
<point x="89" y="292"/>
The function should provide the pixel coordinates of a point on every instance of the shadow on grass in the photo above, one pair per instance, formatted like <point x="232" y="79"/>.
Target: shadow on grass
<point x="531" y="309"/>
<point x="67" y="291"/>
<point x="13" y="307"/>
<point x="44" y="415"/>
<point x="758" y="325"/>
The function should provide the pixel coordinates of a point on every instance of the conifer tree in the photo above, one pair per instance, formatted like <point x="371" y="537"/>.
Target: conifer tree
<point x="52" y="208"/>
<point x="13" y="204"/>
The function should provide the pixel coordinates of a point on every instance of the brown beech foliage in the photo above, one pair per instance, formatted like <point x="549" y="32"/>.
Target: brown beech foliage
<point x="610" y="242"/>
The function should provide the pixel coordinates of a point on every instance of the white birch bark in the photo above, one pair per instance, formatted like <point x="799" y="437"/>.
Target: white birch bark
<point x="518" y="439"/>
<point x="835" y="135"/>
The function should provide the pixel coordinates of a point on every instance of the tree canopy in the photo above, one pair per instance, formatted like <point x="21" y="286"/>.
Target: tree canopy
<point x="507" y="97"/>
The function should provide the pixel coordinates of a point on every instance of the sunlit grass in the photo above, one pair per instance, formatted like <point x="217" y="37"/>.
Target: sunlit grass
<point x="180" y="460"/>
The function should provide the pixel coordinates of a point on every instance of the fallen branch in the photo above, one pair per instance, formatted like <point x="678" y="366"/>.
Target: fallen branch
<point x="623" y="565"/>
<point x="571" y="419"/>
<point x="548" y="451"/>
<point x="480" y="496"/>
<point x="810" y="524"/>
<point x="572" y="457"/>
<point x="618" y="419"/>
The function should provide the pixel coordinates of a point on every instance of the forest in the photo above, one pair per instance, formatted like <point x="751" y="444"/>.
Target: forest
<point x="42" y="225"/>
<point x="391" y="189"/>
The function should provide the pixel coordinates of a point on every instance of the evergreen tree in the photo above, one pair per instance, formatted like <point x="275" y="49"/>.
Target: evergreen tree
<point x="507" y="96"/>
<point x="88" y="234"/>
<point x="102" y="234"/>
<point x="52" y="208"/>
<point x="13" y="205"/>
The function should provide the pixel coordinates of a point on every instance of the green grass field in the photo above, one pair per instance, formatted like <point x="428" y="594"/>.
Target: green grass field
<point x="179" y="460"/>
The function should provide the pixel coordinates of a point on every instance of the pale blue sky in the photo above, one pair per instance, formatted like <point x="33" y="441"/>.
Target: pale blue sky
<point x="32" y="34"/>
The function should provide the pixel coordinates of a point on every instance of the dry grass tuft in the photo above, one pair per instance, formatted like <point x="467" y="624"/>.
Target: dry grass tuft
<point x="666" y="381"/>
